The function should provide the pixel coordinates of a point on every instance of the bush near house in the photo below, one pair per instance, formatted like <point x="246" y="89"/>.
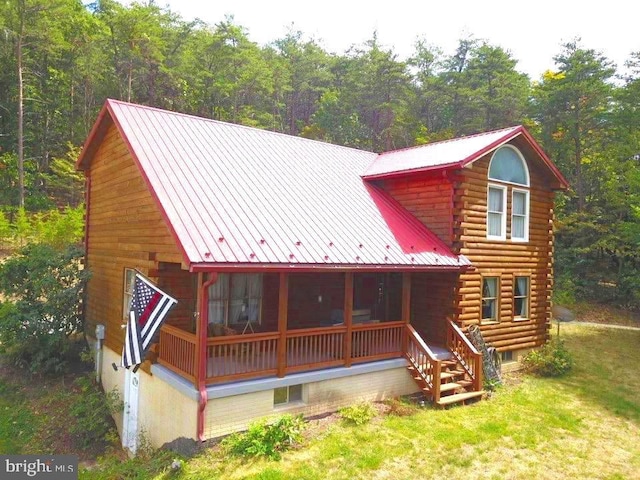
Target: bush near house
<point x="40" y="317"/>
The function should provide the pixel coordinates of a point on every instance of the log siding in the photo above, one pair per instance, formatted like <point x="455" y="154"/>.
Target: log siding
<point x="126" y="231"/>
<point x="506" y="259"/>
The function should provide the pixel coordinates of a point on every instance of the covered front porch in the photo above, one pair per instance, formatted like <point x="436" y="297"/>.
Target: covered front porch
<point x="230" y="327"/>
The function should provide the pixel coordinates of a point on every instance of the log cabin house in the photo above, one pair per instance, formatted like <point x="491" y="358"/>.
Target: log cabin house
<point x="309" y="275"/>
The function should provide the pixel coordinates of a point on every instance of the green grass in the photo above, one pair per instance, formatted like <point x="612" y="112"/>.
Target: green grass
<point x="17" y="424"/>
<point x="583" y="425"/>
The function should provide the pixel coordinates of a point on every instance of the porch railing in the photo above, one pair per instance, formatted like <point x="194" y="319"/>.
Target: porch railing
<point x="177" y="351"/>
<point x="465" y="353"/>
<point x="376" y="341"/>
<point x="311" y="348"/>
<point x="237" y="357"/>
<point x="425" y="364"/>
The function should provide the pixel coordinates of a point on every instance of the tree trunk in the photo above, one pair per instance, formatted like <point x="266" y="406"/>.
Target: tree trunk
<point x="20" y="108"/>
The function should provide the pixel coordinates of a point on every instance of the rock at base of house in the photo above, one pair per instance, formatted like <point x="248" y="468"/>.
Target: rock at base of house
<point x="563" y="314"/>
<point x="186" y="447"/>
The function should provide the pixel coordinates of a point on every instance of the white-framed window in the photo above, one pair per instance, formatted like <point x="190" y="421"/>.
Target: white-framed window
<point x="490" y="299"/>
<point x="286" y="395"/>
<point x="127" y="296"/>
<point x="520" y="215"/>
<point x="235" y="298"/>
<point x="497" y="212"/>
<point x="508" y="166"/>
<point x="521" y="289"/>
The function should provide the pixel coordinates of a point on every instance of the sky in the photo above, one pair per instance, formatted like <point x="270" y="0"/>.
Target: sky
<point x="532" y="31"/>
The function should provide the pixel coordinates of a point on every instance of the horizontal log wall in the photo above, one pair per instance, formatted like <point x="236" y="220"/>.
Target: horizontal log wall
<point x="432" y="302"/>
<point x="505" y="259"/>
<point x="126" y="229"/>
<point x="181" y="285"/>
<point x="428" y="198"/>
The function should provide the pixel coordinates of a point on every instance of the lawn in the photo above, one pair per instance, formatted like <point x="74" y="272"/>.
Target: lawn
<point x="584" y="425"/>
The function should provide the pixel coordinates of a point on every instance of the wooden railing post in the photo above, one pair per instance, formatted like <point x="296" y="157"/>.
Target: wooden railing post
<point x="348" y="316"/>
<point x="283" y="305"/>
<point x="478" y="385"/>
<point x="437" y="371"/>
<point x="406" y="304"/>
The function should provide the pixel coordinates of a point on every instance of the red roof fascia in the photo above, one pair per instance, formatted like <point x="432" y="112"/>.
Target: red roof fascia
<point x="319" y="267"/>
<point x="412" y="171"/>
<point x="91" y="145"/>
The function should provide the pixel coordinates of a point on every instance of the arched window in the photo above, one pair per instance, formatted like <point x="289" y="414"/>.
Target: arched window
<point x="507" y="165"/>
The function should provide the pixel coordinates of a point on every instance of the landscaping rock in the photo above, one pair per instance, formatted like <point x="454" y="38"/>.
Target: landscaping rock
<point x="186" y="447"/>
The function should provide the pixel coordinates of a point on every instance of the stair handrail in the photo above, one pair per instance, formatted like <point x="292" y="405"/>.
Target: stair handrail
<point x="431" y="364"/>
<point x="472" y="360"/>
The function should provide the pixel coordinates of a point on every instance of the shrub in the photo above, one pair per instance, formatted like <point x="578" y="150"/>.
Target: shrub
<point x="552" y="360"/>
<point x="357" y="414"/>
<point x="42" y="311"/>
<point x="266" y="439"/>
<point x="92" y="409"/>
<point x="401" y="407"/>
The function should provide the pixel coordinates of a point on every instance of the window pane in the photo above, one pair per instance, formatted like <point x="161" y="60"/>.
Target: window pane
<point x="295" y="393"/>
<point x="495" y="224"/>
<point x="496" y="200"/>
<point x="489" y="287"/>
<point x="520" y="307"/>
<point x="523" y="285"/>
<point x="280" y="395"/>
<point x="216" y="311"/>
<point x="519" y="203"/>
<point x="489" y="309"/>
<point x="506" y="165"/>
<point x="517" y="227"/>
<point x="490" y="298"/>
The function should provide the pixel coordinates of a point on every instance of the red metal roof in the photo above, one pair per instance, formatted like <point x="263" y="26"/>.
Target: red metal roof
<point x="238" y="196"/>
<point x="454" y="153"/>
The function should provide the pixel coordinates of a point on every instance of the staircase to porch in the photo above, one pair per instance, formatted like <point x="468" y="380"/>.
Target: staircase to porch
<point x="452" y="378"/>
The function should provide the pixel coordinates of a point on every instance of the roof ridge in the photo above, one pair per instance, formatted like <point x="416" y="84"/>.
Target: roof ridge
<point x="449" y="140"/>
<point x="238" y="125"/>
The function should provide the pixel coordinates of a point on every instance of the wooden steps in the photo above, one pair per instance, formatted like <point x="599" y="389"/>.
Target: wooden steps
<point x="456" y="386"/>
<point x="459" y="397"/>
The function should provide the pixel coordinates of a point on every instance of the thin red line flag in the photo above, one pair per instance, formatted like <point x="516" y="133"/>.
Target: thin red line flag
<point x="149" y="308"/>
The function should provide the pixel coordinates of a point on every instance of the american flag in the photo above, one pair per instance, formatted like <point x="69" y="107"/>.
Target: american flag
<point x="149" y="307"/>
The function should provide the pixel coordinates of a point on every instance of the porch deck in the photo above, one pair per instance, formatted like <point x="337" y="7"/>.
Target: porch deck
<point x="238" y="357"/>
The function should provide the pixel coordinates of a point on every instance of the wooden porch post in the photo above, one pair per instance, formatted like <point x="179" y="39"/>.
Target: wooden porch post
<point x="283" y="305"/>
<point x="406" y="304"/>
<point x="348" y="315"/>
<point x="199" y="344"/>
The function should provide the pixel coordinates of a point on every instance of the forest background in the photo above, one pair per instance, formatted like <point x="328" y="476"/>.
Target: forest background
<point x="60" y="59"/>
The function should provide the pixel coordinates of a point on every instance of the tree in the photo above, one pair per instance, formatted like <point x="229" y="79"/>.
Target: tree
<point x="572" y="105"/>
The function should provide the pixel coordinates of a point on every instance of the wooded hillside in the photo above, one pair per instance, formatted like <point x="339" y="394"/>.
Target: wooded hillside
<point x="59" y="60"/>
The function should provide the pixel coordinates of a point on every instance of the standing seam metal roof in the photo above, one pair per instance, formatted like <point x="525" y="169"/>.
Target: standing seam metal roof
<point x="238" y="195"/>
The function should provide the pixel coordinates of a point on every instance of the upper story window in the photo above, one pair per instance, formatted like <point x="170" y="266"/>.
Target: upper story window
<point x="508" y="166"/>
